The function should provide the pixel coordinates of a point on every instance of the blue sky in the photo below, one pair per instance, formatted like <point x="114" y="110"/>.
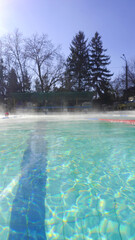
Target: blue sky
<point x="62" y="19"/>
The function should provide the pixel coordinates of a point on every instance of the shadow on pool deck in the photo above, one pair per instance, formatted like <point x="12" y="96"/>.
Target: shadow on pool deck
<point x="28" y="210"/>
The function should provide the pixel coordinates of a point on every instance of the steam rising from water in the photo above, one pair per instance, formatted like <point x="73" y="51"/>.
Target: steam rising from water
<point x="33" y="116"/>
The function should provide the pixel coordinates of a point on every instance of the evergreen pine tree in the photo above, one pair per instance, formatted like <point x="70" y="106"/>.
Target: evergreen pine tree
<point x="38" y="86"/>
<point x="12" y="83"/>
<point x="2" y="79"/>
<point x="100" y="75"/>
<point x="77" y="67"/>
<point x="26" y="81"/>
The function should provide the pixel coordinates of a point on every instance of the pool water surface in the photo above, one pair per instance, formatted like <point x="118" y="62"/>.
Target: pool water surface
<point x="67" y="180"/>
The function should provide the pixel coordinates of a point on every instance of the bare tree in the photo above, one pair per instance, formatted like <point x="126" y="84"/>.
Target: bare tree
<point x="15" y="56"/>
<point x="54" y="74"/>
<point x="45" y="61"/>
<point x="131" y="73"/>
<point x="118" y="85"/>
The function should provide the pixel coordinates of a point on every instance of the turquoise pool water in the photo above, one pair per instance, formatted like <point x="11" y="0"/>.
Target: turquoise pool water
<point x="67" y="180"/>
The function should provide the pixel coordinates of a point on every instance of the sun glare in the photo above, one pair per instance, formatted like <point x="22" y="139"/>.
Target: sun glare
<point x="4" y="13"/>
<point x="3" y="5"/>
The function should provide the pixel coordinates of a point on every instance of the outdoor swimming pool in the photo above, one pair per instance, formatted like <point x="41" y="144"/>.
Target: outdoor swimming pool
<point x="67" y="180"/>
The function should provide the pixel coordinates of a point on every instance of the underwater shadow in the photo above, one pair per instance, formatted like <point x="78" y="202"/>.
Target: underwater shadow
<point x="28" y="209"/>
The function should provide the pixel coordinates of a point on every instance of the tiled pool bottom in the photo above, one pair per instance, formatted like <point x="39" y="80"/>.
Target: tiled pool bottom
<point x="72" y="180"/>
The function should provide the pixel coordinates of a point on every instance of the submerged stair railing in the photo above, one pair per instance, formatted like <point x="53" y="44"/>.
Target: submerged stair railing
<point x="28" y="210"/>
